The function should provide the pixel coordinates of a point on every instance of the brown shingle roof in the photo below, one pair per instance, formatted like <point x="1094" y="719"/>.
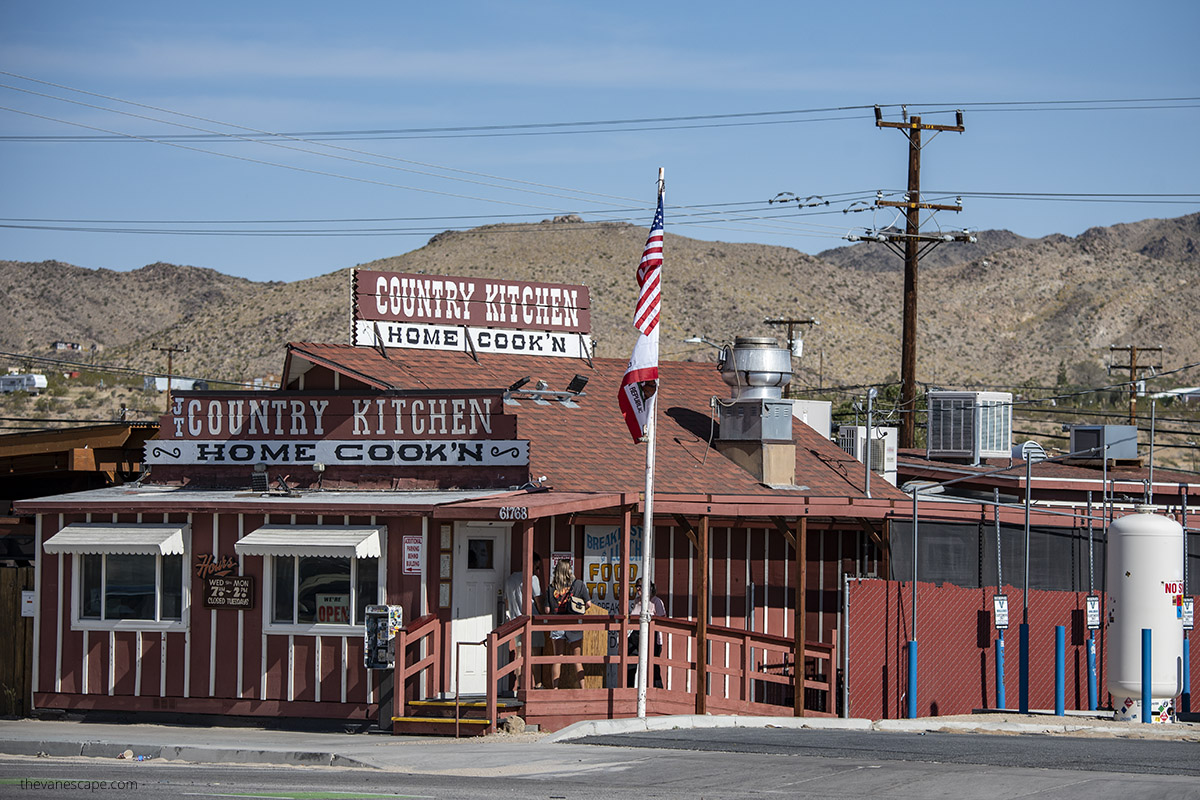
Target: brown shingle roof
<point x="588" y="448"/>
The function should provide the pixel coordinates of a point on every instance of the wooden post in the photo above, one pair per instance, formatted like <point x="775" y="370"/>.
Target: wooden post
<point x="623" y="608"/>
<point x="702" y="621"/>
<point x="801" y="612"/>
<point x="527" y="673"/>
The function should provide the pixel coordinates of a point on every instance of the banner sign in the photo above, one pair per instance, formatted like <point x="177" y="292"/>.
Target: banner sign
<point x="253" y="416"/>
<point x="481" y="302"/>
<point x="423" y="453"/>
<point x="467" y="339"/>
<point x="481" y="315"/>
<point x="602" y="564"/>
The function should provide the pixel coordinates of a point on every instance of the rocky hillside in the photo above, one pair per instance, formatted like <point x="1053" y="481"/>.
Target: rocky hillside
<point x="1003" y="311"/>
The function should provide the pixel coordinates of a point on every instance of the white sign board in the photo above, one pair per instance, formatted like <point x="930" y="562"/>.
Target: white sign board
<point x="602" y="574"/>
<point x="333" y="609"/>
<point x="1188" y="612"/>
<point x="414" y="554"/>
<point x="1000" y="609"/>
<point x="467" y="339"/>
<point x="400" y="453"/>
<point x="1092" y="610"/>
<point x="27" y="603"/>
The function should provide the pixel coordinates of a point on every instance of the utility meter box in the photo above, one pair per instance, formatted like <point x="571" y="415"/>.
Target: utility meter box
<point x="382" y="622"/>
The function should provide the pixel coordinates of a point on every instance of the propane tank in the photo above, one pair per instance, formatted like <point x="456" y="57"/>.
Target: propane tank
<point x="1144" y="581"/>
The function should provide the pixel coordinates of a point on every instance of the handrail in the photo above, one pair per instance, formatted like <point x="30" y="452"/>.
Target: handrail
<point x="419" y="629"/>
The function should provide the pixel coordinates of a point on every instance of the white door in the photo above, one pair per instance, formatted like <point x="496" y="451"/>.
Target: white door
<point x="480" y="567"/>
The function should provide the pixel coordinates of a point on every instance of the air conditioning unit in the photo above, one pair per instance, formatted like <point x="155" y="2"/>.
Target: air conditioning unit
<point x="853" y="439"/>
<point x="969" y="425"/>
<point x="1096" y="442"/>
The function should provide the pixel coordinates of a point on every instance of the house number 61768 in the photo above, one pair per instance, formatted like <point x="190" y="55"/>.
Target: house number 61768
<point x="514" y="512"/>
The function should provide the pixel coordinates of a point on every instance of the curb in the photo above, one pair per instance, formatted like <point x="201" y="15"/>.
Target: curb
<point x="188" y="753"/>
<point x="612" y="727"/>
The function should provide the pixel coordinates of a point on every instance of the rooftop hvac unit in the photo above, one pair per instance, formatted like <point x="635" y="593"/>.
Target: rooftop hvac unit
<point x="1104" y="441"/>
<point x="853" y="439"/>
<point x="969" y="425"/>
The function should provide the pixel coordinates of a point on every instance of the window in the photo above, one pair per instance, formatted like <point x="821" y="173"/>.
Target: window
<point x="126" y="576"/>
<point x="117" y="587"/>
<point x="322" y="590"/>
<point x="319" y="575"/>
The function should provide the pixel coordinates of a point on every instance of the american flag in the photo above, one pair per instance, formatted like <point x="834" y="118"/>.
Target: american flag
<point x="641" y="376"/>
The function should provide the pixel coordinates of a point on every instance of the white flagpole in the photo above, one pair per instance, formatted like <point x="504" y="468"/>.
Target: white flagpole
<point x="648" y="534"/>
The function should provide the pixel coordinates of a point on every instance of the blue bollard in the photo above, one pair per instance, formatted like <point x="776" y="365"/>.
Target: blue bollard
<point x="1023" y="670"/>
<point x="1147" y="715"/>
<point x="1000" y="699"/>
<point x="1093" y="699"/>
<point x="1185" y="699"/>
<point x="912" y="679"/>
<point x="1060" y="665"/>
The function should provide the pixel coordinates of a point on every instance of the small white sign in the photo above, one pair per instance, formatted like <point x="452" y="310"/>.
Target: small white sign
<point x="1000" y="609"/>
<point x="414" y="554"/>
<point x="1092" y="610"/>
<point x="333" y="609"/>
<point x="27" y="603"/>
<point x="1188" y="613"/>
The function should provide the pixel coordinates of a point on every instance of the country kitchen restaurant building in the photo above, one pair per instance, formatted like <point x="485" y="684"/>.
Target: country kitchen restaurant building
<point x="238" y="577"/>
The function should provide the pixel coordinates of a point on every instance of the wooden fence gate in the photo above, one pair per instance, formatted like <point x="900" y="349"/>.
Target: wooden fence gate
<point x="16" y="646"/>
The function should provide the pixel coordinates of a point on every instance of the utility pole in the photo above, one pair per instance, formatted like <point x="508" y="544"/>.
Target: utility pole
<point x="795" y="343"/>
<point x="1133" y="367"/>
<point x="915" y="244"/>
<point x="170" y="350"/>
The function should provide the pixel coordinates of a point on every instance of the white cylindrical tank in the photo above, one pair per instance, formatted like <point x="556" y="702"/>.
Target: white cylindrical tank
<point x="1144" y="581"/>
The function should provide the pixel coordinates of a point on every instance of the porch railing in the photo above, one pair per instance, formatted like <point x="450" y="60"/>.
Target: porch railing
<point x="747" y="672"/>
<point x="418" y="652"/>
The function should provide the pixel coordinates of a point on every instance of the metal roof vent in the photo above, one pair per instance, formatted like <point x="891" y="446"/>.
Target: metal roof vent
<point x="756" y="368"/>
<point x="1029" y="451"/>
<point x="756" y="425"/>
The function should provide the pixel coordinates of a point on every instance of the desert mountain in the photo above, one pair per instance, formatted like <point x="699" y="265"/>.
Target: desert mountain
<point x="1002" y="311"/>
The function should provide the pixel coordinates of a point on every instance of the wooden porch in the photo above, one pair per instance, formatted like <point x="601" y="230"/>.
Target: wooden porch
<point x="742" y="672"/>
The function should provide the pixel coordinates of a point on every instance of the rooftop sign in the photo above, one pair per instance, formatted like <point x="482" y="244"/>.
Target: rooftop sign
<point x="486" y="315"/>
<point x="453" y="428"/>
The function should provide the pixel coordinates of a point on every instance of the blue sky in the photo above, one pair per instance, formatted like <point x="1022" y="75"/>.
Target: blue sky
<point x="299" y="67"/>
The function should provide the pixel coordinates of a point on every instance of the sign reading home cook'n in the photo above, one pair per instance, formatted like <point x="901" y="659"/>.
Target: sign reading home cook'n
<point x="338" y="428"/>
<point x="474" y="315"/>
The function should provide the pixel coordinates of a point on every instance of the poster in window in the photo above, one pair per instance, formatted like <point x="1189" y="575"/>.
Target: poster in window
<point x="333" y="609"/>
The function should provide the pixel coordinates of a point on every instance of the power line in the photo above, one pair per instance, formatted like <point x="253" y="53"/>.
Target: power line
<point x="590" y="126"/>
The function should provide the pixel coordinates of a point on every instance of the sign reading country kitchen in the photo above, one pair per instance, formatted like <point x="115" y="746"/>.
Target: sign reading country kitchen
<point x="482" y="315"/>
<point x="411" y="429"/>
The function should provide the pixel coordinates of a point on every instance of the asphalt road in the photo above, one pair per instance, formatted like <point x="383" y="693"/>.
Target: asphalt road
<point x="1132" y="756"/>
<point x="673" y="765"/>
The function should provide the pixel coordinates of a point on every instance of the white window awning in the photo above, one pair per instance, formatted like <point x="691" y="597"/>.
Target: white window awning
<point x="114" y="538"/>
<point x="341" y="541"/>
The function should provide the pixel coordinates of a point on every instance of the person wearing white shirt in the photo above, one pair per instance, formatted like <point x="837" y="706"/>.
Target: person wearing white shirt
<point x="514" y="606"/>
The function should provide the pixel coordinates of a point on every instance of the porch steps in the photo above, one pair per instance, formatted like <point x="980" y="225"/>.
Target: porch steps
<point x="435" y="717"/>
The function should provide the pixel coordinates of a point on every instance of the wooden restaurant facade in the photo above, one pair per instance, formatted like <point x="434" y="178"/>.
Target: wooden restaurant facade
<point x="238" y="576"/>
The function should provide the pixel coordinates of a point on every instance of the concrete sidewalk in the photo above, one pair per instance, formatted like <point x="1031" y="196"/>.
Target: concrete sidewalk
<point x="498" y="755"/>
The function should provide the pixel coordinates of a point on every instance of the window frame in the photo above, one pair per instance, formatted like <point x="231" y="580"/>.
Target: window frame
<point x="267" y="593"/>
<point x="79" y="622"/>
<point x="316" y="628"/>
